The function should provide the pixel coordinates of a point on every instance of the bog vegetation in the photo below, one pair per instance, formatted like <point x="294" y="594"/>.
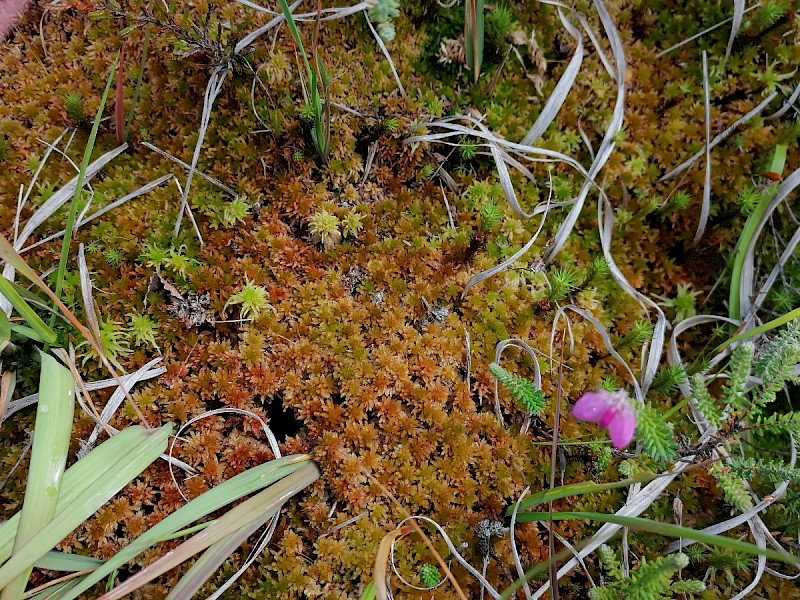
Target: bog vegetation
<point x="399" y="300"/>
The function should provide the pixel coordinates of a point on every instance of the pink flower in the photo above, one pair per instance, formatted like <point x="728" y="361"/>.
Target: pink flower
<point x="610" y="410"/>
<point x="10" y="11"/>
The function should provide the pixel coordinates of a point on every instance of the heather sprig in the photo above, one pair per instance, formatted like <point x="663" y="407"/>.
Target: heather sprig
<point x="522" y="390"/>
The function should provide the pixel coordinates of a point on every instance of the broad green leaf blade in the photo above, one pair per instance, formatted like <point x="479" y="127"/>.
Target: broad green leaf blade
<point x="52" y="433"/>
<point x="80" y="476"/>
<point x="369" y="592"/>
<point x="5" y="332"/>
<point x="86" y="504"/>
<point x="26" y="312"/>
<point x="69" y="563"/>
<point x="26" y="332"/>
<point x="578" y="489"/>
<point x="223" y="494"/>
<point x="260" y="507"/>
<point x="666" y="529"/>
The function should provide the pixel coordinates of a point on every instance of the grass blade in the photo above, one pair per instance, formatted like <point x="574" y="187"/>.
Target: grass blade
<point x="69" y="563"/>
<point x="221" y="495"/>
<point x="73" y="209"/>
<point x="578" y="489"/>
<point x="473" y="36"/>
<point x="48" y="457"/>
<point x="88" y="501"/>
<point x="666" y="529"/>
<point x="82" y="474"/>
<point x="26" y="312"/>
<point x="260" y="507"/>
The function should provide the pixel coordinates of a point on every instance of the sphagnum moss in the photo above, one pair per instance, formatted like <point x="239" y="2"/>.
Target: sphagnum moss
<point x="351" y="373"/>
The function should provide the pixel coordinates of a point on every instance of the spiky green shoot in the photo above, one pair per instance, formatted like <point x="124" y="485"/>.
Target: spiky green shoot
<point x="324" y="228"/>
<point x="562" y="281"/>
<point x="522" y="390"/>
<point x="73" y="103"/>
<point x="491" y="213"/>
<point x="252" y="299"/>
<point x="429" y="575"/>
<point x="142" y="330"/>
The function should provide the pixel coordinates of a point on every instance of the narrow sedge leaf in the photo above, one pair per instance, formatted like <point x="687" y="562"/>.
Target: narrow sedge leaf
<point x="26" y="332"/>
<point x="205" y="566"/>
<point x="5" y="330"/>
<point x="73" y="209"/>
<point x="756" y="331"/>
<point x="53" y="430"/>
<point x="666" y="529"/>
<point x="26" y="312"/>
<point x="81" y="476"/>
<point x="86" y="504"/>
<point x="578" y="489"/>
<point x="739" y="254"/>
<point x="287" y="12"/>
<point x="229" y="491"/>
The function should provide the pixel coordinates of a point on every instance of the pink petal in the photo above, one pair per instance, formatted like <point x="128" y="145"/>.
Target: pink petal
<point x="622" y="428"/>
<point x="591" y="407"/>
<point x="607" y="417"/>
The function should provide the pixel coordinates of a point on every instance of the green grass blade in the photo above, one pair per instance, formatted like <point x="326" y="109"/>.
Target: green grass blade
<point x="666" y="529"/>
<point x="473" y="36"/>
<point x="287" y="13"/>
<point x="769" y="326"/>
<point x="734" y="301"/>
<point x="260" y="507"/>
<point x="369" y="591"/>
<point x="69" y="563"/>
<point x="86" y="504"/>
<point x="79" y="476"/>
<point x="26" y="312"/>
<point x="5" y="334"/>
<point x="73" y="208"/>
<point x="578" y="489"/>
<point x="229" y="491"/>
<point x="53" y="430"/>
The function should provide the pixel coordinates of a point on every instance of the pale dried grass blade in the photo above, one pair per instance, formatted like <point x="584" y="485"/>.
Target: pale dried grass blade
<point x="720" y="137"/>
<point x="701" y="225"/>
<point x="562" y="89"/>
<point x="738" y="13"/>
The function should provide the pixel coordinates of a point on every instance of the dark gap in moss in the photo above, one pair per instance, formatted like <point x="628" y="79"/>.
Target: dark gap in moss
<point x="282" y="420"/>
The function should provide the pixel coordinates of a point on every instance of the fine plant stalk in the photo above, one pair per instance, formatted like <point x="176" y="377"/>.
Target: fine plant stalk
<point x="138" y="88"/>
<point x="317" y="78"/>
<point x="53" y="428"/>
<point x="473" y="36"/>
<point x="73" y="209"/>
